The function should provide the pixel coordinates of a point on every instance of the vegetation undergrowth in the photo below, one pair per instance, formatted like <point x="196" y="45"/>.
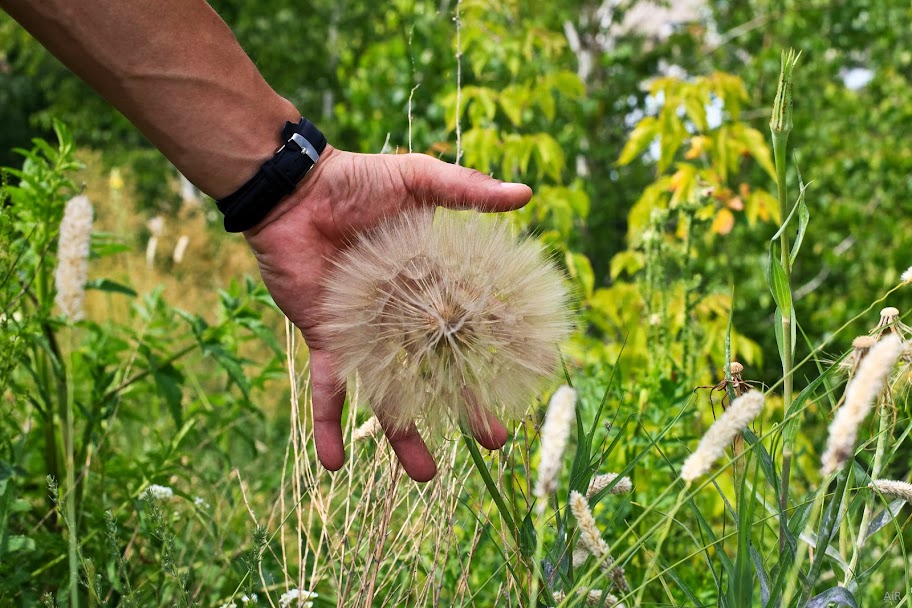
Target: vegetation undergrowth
<point x="158" y="451"/>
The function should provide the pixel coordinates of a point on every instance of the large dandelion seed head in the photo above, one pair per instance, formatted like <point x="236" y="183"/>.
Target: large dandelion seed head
<point x="443" y="318"/>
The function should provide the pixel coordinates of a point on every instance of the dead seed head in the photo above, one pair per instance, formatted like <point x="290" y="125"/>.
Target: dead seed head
<point x="863" y="342"/>
<point x="736" y="368"/>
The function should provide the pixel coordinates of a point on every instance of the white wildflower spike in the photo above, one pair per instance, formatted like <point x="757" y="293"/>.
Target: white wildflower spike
<point x="591" y="540"/>
<point x="73" y="257"/>
<point x="889" y="487"/>
<point x="859" y="398"/>
<point x="600" y="482"/>
<point x="162" y="493"/>
<point x="249" y="599"/>
<point x="440" y="317"/>
<point x="180" y="249"/>
<point x="555" y="432"/>
<point x="906" y="277"/>
<point x="369" y="429"/>
<point x="733" y="420"/>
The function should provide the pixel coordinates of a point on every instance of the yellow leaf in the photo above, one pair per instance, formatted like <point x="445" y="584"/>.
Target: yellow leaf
<point x="723" y="222"/>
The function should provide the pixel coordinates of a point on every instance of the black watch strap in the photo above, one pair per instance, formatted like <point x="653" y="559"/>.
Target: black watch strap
<point x="277" y="178"/>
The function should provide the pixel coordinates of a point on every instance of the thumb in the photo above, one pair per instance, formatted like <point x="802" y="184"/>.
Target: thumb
<point x="434" y="182"/>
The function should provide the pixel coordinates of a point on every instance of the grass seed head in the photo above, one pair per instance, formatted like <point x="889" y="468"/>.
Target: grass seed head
<point x="733" y="420"/>
<point x="889" y="487"/>
<point x="554" y="435"/>
<point x="445" y="318"/>
<point x="600" y="482"/>
<point x="594" y="597"/>
<point x="592" y="541"/>
<point x="73" y="257"/>
<point x="861" y="392"/>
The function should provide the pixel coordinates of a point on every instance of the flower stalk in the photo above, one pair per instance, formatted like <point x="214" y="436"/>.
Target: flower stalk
<point x="780" y="128"/>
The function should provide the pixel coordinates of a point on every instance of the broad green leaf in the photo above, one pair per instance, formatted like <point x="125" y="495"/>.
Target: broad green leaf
<point x="581" y="270"/>
<point x="755" y="144"/>
<point x="17" y="542"/>
<point x="513" y="100"/>
<point x="626" y="261"/>
<point x="671" y="136"/>
<point x="517" y="152"/>
<point x="643" y="134"/>
<point x="482" y="149"/>
<point x="550" y="156"/>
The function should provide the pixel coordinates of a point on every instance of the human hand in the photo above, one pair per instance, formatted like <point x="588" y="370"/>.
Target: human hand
<point x="346" y="194"/>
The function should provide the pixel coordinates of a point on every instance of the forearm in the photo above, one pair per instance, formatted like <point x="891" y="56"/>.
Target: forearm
<point x="176" y="71"/>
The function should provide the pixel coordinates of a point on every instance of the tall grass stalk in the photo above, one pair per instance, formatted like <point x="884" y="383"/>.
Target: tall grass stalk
<point x="780" y="128"/>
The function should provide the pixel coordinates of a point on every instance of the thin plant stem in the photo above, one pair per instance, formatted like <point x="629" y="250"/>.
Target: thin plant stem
<point x="780" y="128"/>
<point x="876" y="466"/>
<point x="70" y="451"/>
<point x="780" y="141"/>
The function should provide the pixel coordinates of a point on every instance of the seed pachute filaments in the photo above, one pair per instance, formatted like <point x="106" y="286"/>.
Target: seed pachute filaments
<point x="440" y="317"/>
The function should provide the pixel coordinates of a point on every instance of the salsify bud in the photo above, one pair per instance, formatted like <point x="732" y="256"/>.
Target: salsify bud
<point x="781" y="119"/>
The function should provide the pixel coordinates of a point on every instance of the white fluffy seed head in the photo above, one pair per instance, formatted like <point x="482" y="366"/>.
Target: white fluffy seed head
<point x="555" y="432"/>
<point x="369" y="428"/>
<point x="896" y="489"/>
<point x="445" y="318"/>
<point x="735" y="419"/>
<point x="73" y="257"/>
<point x="859" y="398"/>
<point x="600" y="482"/>
<point x="906" y="276"/>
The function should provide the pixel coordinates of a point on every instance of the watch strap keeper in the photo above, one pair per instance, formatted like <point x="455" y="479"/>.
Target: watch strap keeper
<point x="277" y="178"/>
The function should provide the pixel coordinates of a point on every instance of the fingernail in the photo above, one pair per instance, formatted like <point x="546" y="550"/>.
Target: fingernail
<point x="512" y="185"/>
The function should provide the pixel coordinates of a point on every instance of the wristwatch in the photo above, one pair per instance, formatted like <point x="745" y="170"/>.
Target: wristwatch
<point x="277" y="178"/>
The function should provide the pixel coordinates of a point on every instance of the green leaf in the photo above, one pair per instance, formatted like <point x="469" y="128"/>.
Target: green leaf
<point x="626" y="261"/>
<point x="643" y="134"/>
<point x="779" y="286"/>
<point x="550" y="156"/>
<point x="110" y="286"/>
<point x="19" y="543"/>
<point x="755" y="143"/>
<point x="804" y="217"/>
<point x="513" y="100"/>
<point x="581" y="270"/>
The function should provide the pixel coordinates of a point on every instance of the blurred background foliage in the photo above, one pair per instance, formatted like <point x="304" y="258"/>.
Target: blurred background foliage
<point x="646" y="144"/>
<point x="642" y="128"/>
